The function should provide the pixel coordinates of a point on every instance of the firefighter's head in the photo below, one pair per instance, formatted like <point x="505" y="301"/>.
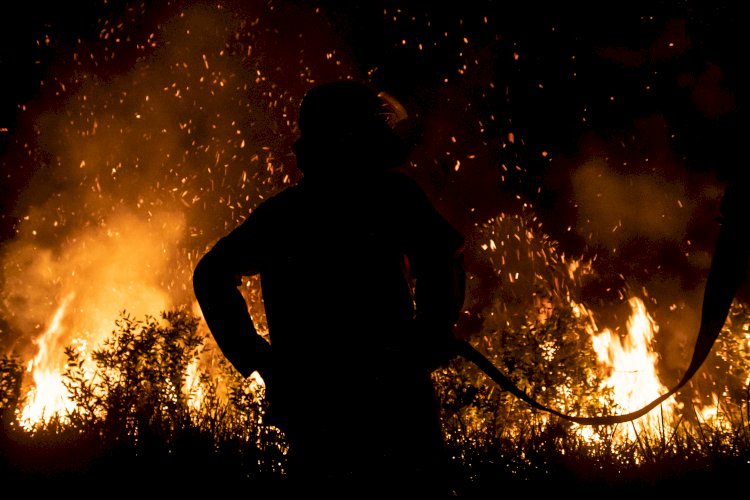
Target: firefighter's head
<point x="347" y="125"/>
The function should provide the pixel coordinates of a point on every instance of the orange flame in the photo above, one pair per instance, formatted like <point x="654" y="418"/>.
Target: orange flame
<point x="48" y="397"/>
<point x="633" y="368"/>
<point x="98" y="272"/>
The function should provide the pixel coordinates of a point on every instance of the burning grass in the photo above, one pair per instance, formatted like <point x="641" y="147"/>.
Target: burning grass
<point x="156" y="402"/>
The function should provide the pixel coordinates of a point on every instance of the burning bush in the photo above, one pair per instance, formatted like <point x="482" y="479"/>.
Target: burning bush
<point x="147" y="408"/>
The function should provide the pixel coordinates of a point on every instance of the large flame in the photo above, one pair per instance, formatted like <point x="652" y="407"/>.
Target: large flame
<point x="48" y="397"/>
<point x="633" y="364"/>
<point x="540" y="279"/>
<point x="102" y="272"/>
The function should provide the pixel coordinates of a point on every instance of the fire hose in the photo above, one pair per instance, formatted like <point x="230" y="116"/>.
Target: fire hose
<point x="729" y="270"/>
<point x="710" y="329"/>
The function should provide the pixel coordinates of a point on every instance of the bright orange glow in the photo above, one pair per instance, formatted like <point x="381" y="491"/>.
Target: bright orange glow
<point x="633" y="369"/>
<point x="105" y="269"/>
<point x="48" y="397"/>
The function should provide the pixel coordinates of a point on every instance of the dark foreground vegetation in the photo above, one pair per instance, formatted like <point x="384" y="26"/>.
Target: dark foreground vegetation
<point x="157" y="411"/>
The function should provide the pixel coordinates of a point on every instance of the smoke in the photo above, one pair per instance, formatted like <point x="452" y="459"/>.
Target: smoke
<point x="618" y="209"/>
<point x="120" y="265"/>
<point x="641" y="224"/>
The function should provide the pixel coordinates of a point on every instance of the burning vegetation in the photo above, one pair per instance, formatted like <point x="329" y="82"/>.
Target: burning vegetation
<point x="153" y="137"/>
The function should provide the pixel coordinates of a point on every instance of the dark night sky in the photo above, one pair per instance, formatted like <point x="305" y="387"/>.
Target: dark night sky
<point x="647" y="89"/>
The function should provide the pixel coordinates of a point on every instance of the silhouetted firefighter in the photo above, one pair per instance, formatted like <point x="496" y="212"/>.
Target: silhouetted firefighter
<point x="362" y="282"/>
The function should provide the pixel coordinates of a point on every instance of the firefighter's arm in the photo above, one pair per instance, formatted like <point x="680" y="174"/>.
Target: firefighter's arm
<point x="439" y="296"/>
<point x="436" y="262"/>
<point x="216" y="281"/>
